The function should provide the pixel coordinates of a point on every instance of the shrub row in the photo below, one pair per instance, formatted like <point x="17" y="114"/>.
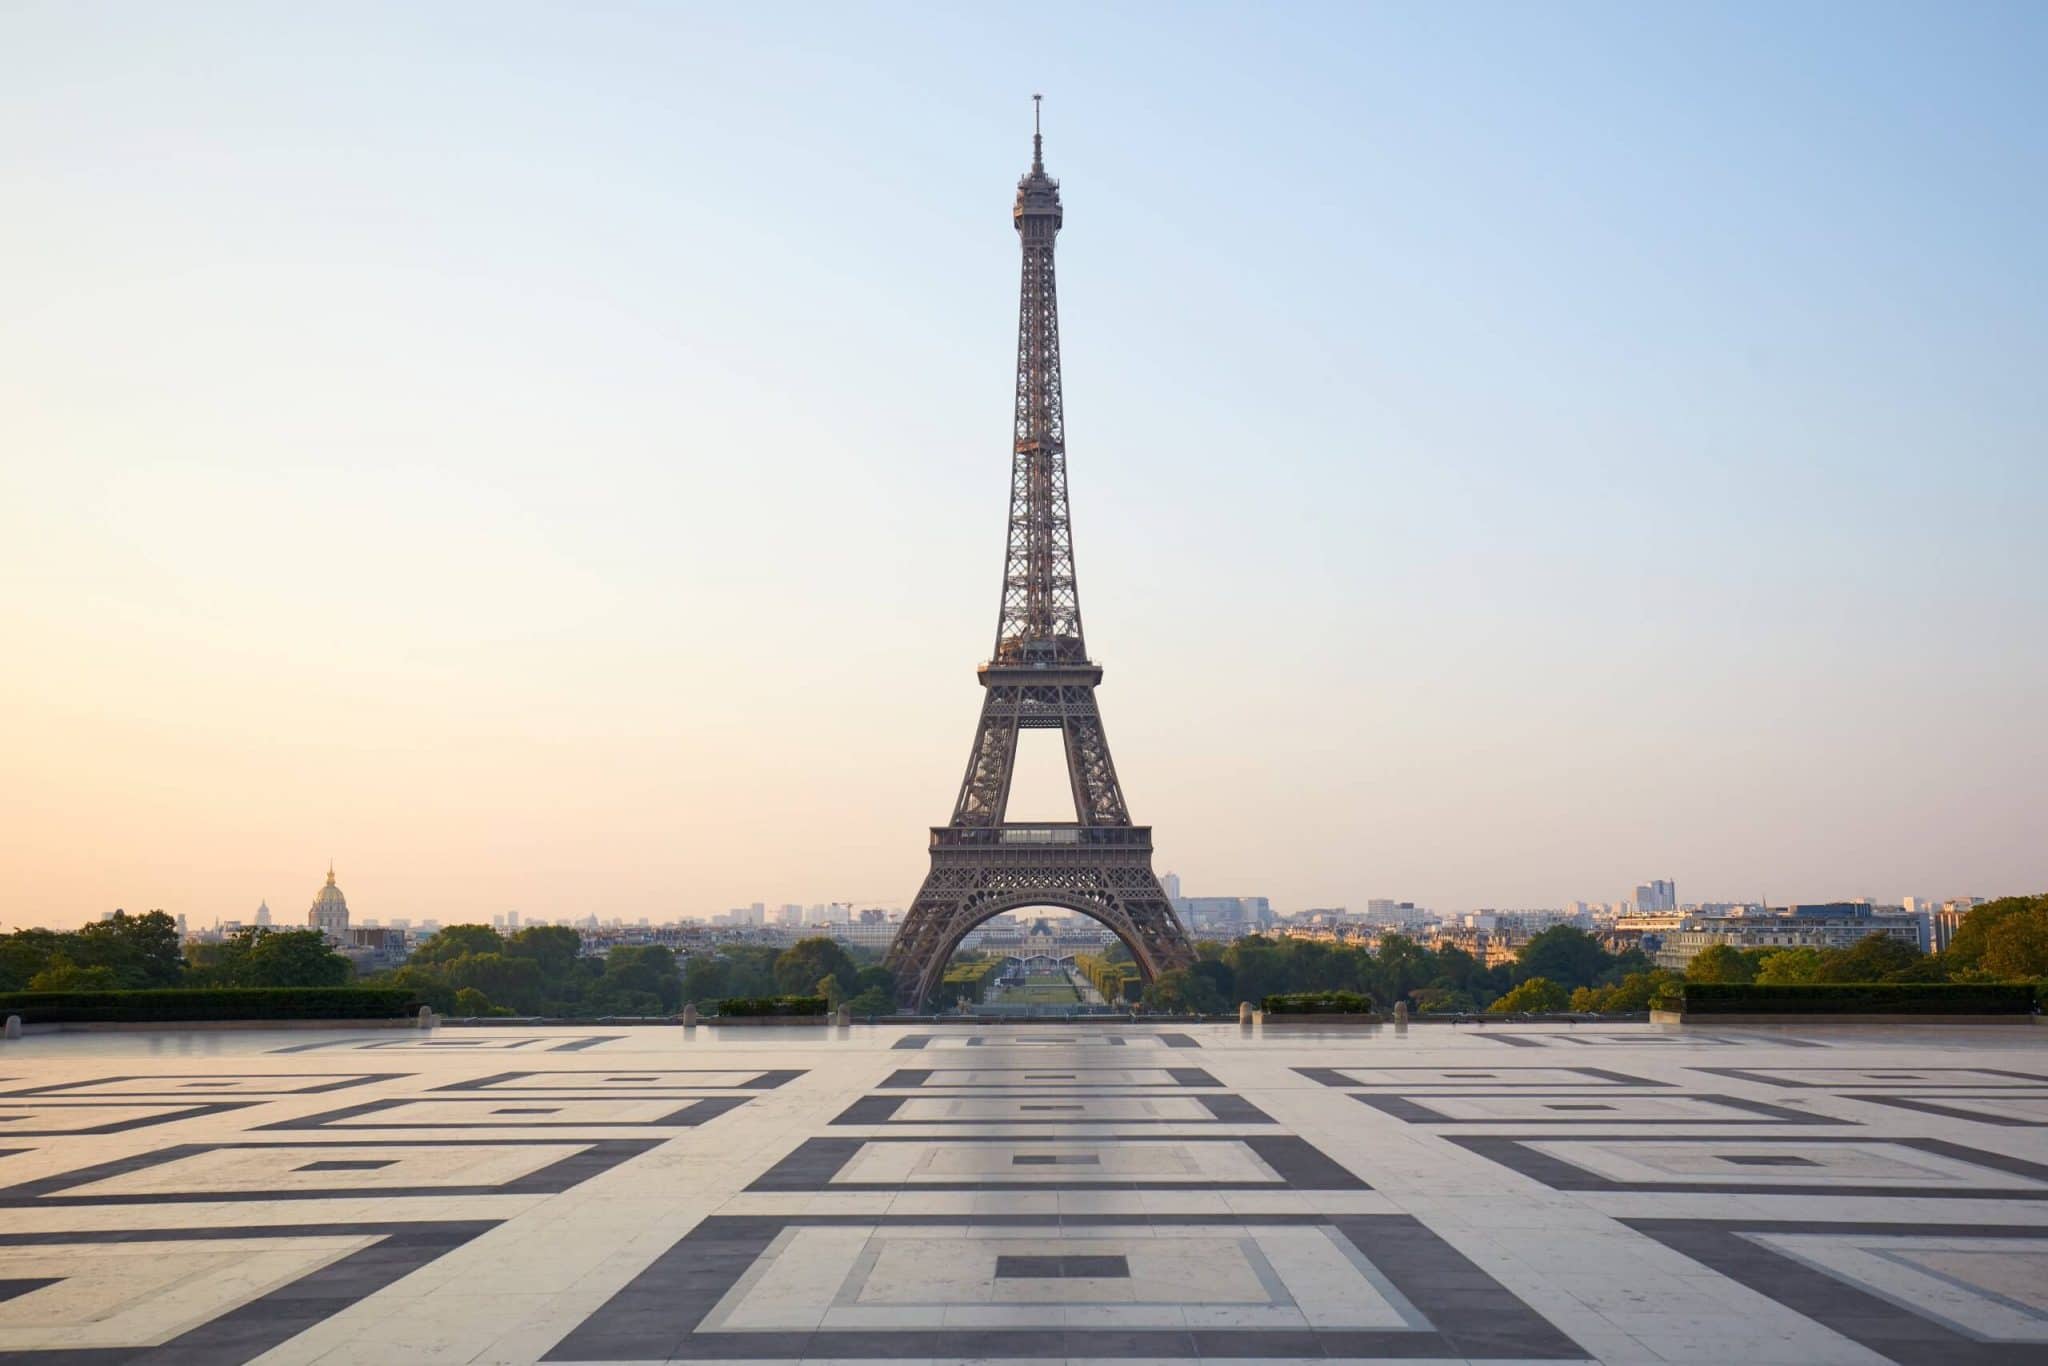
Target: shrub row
<point x="772" y="1005"/>
<point x="1118" y="982"/>
<point x="968" y="978"/>
<point x="1317" y="1003"/>
<point x="1859" y="998"/>
<point x="214" y="1003"/>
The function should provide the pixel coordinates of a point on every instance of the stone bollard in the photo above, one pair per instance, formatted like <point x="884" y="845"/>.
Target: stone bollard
<point x="14" y="1026"/>
<point x="426" y="1018"/>
<point x="690" y="1015"/>
<point x="1400" y="1014"/>
<point x="1244" y="1012"/>
<point x="843" y="1016"/>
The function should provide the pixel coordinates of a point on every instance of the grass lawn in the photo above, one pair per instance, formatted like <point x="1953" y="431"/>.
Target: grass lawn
<point x="1042" y="991"/>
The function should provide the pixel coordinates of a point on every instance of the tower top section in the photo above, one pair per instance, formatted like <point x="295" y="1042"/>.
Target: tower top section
<point x="1038" y="194"/>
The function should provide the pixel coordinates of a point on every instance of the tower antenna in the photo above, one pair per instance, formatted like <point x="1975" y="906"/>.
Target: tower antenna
<point x="1037" y="135"/>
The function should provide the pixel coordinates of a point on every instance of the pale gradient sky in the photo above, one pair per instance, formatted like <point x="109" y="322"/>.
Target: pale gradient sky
<point x="553" y="458"/>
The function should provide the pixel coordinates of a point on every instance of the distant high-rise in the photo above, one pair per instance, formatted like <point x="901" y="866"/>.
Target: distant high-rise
<point x="329" y="913"/>
<point x="1657" y="896"/>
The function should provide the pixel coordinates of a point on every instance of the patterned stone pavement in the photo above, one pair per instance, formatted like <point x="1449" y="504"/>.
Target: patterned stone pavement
<point x="1622" y="1194"/>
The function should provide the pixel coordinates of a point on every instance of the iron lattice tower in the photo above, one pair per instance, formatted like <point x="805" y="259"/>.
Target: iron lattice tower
<point x="1039" y="677"/>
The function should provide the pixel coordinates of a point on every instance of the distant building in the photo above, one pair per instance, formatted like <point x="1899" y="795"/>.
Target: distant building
<point x="263" y="912"/>
<point x="1656" y="896"/>
<point x="1225" y="917"/>
<point x="373" y="949"/>
<point x="1943" y="921"/>
<point x="878" y="933"/>
<point x="1827" y="925"/>
<point x="329" y="913"/>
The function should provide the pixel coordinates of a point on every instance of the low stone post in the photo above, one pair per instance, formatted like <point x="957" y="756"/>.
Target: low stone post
<point x="426" y="1018"/>
<point x="14" y="1026"/>
<point x="1400" y="1014"/>
<point x="690" y="1015"/>
<point x="843" y="1016"/>
<point x="1244" y="1012"/>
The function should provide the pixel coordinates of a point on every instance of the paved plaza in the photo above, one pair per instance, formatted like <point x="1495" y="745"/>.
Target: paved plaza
<point x="1617" y="1193"/>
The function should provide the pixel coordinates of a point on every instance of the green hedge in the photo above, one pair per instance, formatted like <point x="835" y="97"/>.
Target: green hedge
<point x="1317" y="1003"/>
<point x="217" y="1003"/>
<point x="1860" y="998"/>
<point x="772" y="1005"/>
<point x="1117" y="982"/>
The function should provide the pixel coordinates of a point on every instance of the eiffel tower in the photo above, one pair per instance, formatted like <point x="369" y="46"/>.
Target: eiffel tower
<point x="1040" y="677"/>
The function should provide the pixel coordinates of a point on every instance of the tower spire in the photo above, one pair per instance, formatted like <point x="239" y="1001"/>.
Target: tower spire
<point x="1038" y="678"/>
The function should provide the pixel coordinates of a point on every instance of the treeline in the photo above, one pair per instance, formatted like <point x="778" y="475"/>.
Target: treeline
<point x="966" y="981"/>
<point x="541" y="970"/>
<point x="142" y="952"/>
<point x="1112" y="975"/>
<point x="1567" y="969"/>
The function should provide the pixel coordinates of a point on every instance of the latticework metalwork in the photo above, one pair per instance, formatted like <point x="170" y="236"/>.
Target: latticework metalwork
<point x="1040" y="677"/>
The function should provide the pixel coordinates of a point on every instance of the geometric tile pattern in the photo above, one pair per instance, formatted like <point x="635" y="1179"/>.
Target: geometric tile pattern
<point x="1048" y="1107"/>
<point x="985" y="1163"/>
<point x="190" y="1295"/>
<point x="2011" y="1111"/>
<point x="40" y="1119"/>
<point x="1562" y="1107"/>
<point x="1068" y="1078"/>
<point x="762" y="1288"/>
<point x="1472" y="1078"/>
<point x="1920" y="1295"/>
<point x="513" y="1112"/>
<point x="1807" y="1165"/>
<point x="1050" y="1192"/>
<point x="656" y="1081"/>
<point x="1885" y="1078"/>
<point x="1088" y="1039"/>
<point x="188" y="1084"/>
<point x="481" y="1043"/>
<point x="383" y="1168"/>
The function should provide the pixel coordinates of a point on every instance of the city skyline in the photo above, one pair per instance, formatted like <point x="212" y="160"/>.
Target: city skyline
<point x="522" y="526"/>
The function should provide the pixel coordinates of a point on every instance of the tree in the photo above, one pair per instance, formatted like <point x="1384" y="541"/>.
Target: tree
<point x="25" y="953"/>
<point x="515" y="982"/>
<point x="705" y="979"/>
<point x="1874" y="958"/>
<point x="645" y="973"/>
<point x="426" y="986"/>
<point x="1534" y="996"/>
<point x="2017" y="945"/>
<point x="1184" y="991"/>
<point x="1631" y="994"/>
<point x="799" y="967"/>
<point x="1562" y="954"/>
<point x="1789" y="968"/>
<point x="1973" y="936"/>
<point x="142" y="950"/>
<point x="259" y="956"/>
<point x="61" y="974"/>
<point x="1721" y="963"/>
<point x="555" y="947"/>
<point x="457" y="941"/>
<point x="471" y="1002"/>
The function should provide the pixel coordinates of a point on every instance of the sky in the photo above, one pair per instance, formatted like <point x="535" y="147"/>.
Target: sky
<point x="553" y="458"/>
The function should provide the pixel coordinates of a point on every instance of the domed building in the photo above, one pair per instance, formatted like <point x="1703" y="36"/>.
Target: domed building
<point x="329" y="914"/>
